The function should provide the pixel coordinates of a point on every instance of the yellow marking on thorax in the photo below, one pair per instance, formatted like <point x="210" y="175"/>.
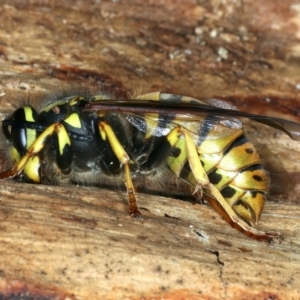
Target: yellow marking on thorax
<point x="73" y="120"/>
<point x="75" y="100"/>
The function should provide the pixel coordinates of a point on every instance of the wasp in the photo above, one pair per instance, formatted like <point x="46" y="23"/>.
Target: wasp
<point x="102" y="138"/>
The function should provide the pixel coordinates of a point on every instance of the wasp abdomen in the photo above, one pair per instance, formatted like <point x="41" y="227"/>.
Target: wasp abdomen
<point x="237" y="173"/>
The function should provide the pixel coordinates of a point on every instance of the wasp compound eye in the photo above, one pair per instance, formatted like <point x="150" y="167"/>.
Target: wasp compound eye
<point x="19" y="138"/>
<point x="17" y="132"/>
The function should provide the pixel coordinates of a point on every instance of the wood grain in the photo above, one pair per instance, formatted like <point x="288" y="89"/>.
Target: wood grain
<point x="82" y="240"/>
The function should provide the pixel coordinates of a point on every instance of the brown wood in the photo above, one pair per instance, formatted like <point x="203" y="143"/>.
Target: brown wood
<point x="82" y="241"/>
<point x="79" y="242"/>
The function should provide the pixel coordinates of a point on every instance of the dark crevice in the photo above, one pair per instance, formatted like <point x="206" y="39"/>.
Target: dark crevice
<point x="199" y="233"/>
<point x="218" y="256"/>
<point x="222" y="264"/>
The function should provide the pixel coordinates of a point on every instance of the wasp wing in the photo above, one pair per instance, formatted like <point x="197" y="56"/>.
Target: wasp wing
<point x="213" y="116"/>
<point x="165" y="114"/>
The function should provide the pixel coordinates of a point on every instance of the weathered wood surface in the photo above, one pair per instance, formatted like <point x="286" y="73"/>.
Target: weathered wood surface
<point x="82" y="242"/>
<point x="79" y="243"/>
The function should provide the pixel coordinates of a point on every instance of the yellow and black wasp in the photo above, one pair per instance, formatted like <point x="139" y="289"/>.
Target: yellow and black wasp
<point x="99" y="138"/>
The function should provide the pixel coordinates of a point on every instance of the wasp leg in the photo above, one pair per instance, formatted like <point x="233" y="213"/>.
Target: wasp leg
<point x="32" y="169"/>
<point x="107" y="132"/>
<point x="198" y="195"/>
<point x="224" y="208"/>
<point x="36" y="147"/>
<point x="243" y="227"/>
